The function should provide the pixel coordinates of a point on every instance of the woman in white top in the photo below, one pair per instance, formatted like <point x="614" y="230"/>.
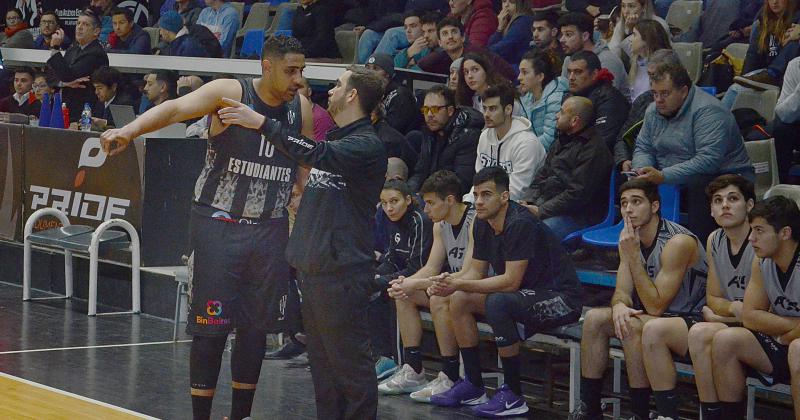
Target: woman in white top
<point x="648" y="36"/>
<point x="632" y="12"/>
<point x="476" y="75"/>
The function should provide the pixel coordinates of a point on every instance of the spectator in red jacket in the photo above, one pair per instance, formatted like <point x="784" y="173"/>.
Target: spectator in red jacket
<point x="478" y="17"/>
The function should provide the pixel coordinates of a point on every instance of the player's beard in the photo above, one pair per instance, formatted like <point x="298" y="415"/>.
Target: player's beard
<point x="335" y="106"/>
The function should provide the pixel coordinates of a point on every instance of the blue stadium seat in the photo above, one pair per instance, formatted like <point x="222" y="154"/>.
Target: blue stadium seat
<point x="607" y="222"/>
<point x="252" y="43"/>
<point x="670" y="210"/>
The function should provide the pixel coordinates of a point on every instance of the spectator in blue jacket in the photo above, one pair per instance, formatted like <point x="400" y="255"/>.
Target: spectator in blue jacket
<point x="688" y="138"/>
<point x="177" y="38"/>
<point x="222" y="19"/>
<point x="128" y="37"/>
<point x="513" y="31"/>
<point x="542" y="92"/>
<point x="102" y="9"/>
<point x="49" y="23"/>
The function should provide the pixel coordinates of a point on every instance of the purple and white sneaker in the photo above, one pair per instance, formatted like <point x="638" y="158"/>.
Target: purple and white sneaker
<point x="504" y="403"/>
<point x="462" y="393"/>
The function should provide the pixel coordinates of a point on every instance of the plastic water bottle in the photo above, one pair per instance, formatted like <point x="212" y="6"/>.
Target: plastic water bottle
<point x="86" y="118"/>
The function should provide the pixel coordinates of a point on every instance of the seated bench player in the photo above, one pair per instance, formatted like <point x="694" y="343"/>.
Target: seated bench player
<point x="408" y="231"/>
<point x="451" y="250"/>
<point x="767" y="346"/>
<point x="729" y="257"/>
<point x="534" y="283"/>
<point x="662" y="272"/>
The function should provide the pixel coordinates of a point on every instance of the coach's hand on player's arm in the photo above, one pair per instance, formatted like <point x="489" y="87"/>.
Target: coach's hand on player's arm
<point x="114" y="141"/>
<point x="238" y="113"/>
<point x="621" y="314"/>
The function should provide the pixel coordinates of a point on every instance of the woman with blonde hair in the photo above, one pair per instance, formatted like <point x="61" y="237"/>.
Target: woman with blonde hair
<point x="631" y="12"/>
<point x="648" y="37"/>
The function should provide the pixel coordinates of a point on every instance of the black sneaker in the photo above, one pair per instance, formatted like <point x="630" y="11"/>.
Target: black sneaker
<point x="288" y="351"/>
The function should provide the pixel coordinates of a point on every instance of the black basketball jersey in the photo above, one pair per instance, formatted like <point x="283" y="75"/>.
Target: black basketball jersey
<point x="244" y="176"/>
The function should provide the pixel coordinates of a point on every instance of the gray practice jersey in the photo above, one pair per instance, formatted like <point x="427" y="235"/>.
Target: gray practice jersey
<point x="784" y="301"/>
<point x="456" y="247"/>
<point x="732" y="279"/>
<point x="692" y="295"/>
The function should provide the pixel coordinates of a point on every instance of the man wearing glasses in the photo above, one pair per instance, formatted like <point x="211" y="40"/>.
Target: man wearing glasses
<point x="48" y="25"/>
<point x="688" y="139"/>
<point x="449" y="139"/>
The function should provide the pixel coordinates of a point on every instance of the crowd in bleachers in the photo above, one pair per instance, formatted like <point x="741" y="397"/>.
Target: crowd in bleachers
<point x="570" y="100"/>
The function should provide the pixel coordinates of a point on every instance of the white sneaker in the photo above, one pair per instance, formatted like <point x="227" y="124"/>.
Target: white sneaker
<point x="403" y="381"/>
<point x="441" y="384"/>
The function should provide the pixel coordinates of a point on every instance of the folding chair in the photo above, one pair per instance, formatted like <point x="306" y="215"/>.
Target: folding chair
<point x="683" y="13"/>
<point x="670" y="210"/>
<point x="691" y="56"/>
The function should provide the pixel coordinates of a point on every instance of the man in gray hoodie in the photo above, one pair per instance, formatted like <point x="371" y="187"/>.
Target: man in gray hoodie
<point x="508" y="141"/>
<point x="688" y="138"/>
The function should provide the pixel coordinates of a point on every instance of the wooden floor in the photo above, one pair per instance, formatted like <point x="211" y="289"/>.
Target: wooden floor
<point x="23" y="399"/>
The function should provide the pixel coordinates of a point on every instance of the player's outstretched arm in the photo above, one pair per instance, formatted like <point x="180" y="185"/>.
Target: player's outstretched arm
<point x="202" y="101"/>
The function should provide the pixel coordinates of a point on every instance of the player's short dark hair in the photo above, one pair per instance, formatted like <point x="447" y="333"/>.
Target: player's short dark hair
<point x="675" y="71"/>
<point x="502" y="90"/>
<point x="591" y="59"/>
<point x="369" y="86"/>
<point x="650" y="189"/>
<point x="277" y="46"/>
<point x="108" y="76"/>
<point x="547" y="15"/>
<point x="450" y="21"/>
<point x="442" y="183"/>
<point x="431" y="17"/>
<point x="399" y="186"/>
<point x="169" y="77"/>
<point x="443" y="91"/>
<point x="128" y="13"/>
<point x="495" y="174"/>
<point x="26" y="69"/>
<point x="583" y="21"/>
<point x="779" y="212"/>
<point x="723" y="181"/>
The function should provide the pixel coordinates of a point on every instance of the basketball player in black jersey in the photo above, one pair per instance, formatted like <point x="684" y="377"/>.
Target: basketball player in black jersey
<point x="332" y="240"/>
<point x="729" y="257"/>
<point x="239" y="228"/>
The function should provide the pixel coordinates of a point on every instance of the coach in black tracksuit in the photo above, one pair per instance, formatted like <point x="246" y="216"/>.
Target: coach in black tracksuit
<point x="332" y="240"/>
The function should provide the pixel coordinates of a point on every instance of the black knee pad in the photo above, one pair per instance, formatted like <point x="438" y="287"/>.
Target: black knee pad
<point x="248" y="353"/>
<point x="204" y="361"/>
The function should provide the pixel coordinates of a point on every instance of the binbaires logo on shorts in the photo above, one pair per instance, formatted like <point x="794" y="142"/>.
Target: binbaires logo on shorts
<point x="214" y="312"/>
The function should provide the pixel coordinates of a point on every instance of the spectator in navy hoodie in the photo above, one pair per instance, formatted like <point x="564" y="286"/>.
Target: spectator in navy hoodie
<point x="128" y="37"/>
<point x="513" y="31"/>
<point x="177" y="38"/>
